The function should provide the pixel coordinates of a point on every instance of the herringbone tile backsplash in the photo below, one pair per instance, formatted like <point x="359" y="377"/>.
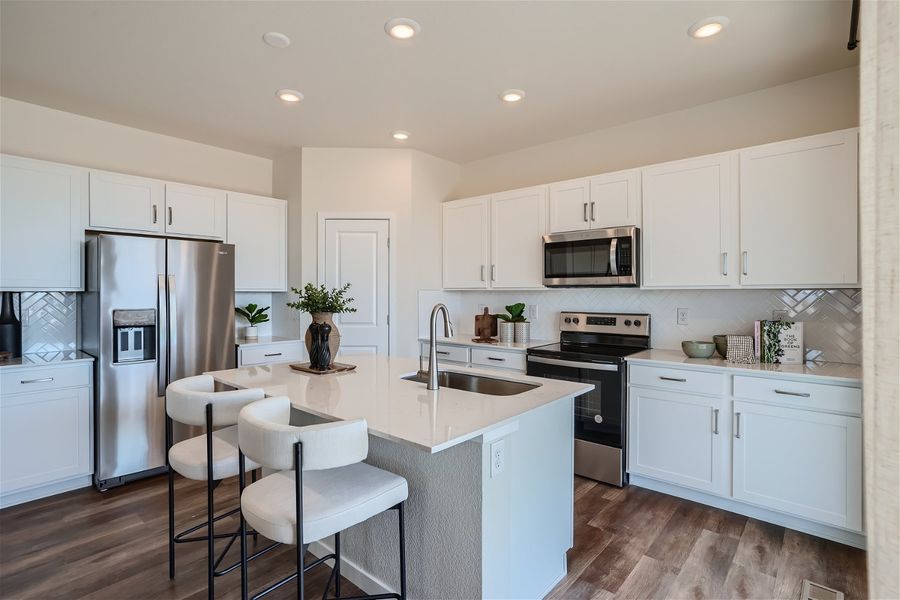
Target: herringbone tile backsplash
<point x="49" y="321"/>
<point x="832" y="318"/>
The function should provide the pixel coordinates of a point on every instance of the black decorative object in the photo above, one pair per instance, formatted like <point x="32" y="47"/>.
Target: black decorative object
<point x="320" y="352"/>
<point x="10" y="328"/>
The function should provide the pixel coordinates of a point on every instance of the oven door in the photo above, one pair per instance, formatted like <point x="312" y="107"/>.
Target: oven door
<point x="591" y="258"/>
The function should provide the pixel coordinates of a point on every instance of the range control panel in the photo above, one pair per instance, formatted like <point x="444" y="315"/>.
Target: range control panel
<point x="621" y="323"/>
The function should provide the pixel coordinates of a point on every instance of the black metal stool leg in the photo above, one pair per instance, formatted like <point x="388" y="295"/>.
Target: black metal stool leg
<point x="241" y="481"/>
<point x="402" y="553"/>
<point x="171" y="476"/>
<point x="210" y="485"/>
<point x="337" y="564"/>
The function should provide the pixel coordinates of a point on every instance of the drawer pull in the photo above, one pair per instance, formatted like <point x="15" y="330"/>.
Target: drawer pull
<point x="272" y="354"/>
<point x="442" y="353"/>
<point x="497" y="359"/>
<point x="678" y="379"/>
<point x="715" y="421"/>
<point x="41" y="380"/>
<point x="786" y="393"/>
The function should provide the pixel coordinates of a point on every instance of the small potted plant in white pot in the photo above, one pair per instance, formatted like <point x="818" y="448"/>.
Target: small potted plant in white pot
<point x="254" y="316"/>
<point x="515" y="327"/>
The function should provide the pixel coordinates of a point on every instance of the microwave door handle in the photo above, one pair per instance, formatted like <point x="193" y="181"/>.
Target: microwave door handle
<point x="613" y="267"/>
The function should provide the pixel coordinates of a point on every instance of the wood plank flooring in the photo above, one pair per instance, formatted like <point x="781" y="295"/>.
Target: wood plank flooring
<point x="629" y="543"/>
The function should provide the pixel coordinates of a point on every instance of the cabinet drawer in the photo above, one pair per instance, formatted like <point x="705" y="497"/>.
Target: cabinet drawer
<point x="37" y="379"/>
<point x="270" y="353"/>
<point x="681" y="380"/>
<point x="498" y="358"/>
<point x="816" y="396"/>
<point x="448" y="352"/>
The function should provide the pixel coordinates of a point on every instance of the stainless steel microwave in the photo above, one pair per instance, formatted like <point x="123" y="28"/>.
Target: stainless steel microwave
<point x="595" y="258"/>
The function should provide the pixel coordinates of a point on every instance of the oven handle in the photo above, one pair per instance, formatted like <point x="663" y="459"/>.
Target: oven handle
<point x="574" y="364"/>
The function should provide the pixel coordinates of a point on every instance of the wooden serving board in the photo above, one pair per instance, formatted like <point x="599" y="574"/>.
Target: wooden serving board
<point x="334" y="368"/>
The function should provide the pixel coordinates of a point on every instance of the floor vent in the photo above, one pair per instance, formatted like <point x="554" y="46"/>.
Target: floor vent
<point x="817" y="591"/>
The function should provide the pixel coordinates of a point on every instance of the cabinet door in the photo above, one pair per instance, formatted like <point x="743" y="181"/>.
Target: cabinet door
<point x="195" y="211"/>
<point x="126" y="202"/>
<point x="616" y="199"/>
<point x="518" y="224"/>
<point x="43" y="208"/>
<point x="45" y="437"/>
<point x="466" y="246"/>
<point x="570" y="205"/>
<point x="257" y="226"/>
<point x="679" y="438"/>
<point x="689" y="215"/>
<point x="799" y="212"/>
<point x="799" y="462"/>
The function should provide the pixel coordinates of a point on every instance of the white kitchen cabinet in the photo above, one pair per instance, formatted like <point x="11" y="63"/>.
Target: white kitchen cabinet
<point x="257" y="226"/>
<point x="616" y="199"/>
<point x="690" y="213"/>
<point x="518" y="224"/>
<point x="126" y="202"/>
<point x="801" y="462"/>
<point x="798" y="212"/>
<point x="195" y="211"/>
<point x="570" y="204"/>
<point x="43" y="212"/>
<point x="268" y="352"/>
<point x="466" y="230"/>
<point x="679" y="438"/>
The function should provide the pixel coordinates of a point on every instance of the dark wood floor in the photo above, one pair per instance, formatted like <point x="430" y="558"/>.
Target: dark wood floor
<point x="629" y="543"/>
<point x="635" y="543"/>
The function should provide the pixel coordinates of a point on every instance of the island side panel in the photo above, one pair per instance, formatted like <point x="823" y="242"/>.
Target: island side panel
<point x="528" y="508"/>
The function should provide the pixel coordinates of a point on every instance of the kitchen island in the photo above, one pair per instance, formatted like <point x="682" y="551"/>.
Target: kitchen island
<point x="476" y="527"/>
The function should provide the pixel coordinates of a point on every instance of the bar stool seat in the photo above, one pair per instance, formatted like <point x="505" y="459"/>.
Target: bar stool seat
<point x="188" y="457"/>
<point x="333" y="500"/>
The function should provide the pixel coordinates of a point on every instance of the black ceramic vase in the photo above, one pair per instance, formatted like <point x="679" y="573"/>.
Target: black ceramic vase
<point x="10" y="328"/>
<point x="320" y="353"/>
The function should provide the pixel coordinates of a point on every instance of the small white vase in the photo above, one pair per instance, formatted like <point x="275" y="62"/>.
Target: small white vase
<point x="251" y="333"/>
<point x="507" y="332"/>
<point x="523" y="332"/>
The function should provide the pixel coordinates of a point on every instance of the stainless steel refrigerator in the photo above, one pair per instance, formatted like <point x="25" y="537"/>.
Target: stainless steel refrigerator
<point x="154" y="310"/>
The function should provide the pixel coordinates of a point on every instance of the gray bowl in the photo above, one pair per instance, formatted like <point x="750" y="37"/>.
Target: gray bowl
<point x="721" y="345"/>
<point x="696" y="349"/>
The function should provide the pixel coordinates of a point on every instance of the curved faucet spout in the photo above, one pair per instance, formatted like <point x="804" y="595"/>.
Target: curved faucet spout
<point x="432" y="346"/>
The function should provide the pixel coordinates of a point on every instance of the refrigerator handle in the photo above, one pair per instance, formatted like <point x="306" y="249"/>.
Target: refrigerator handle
<point x="162" y="354"/>
<point x="173" y="319"/>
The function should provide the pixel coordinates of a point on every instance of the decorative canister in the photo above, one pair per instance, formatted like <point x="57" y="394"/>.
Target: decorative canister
<point x="320" y="353"/>
<point x="523" y="332"/>
<point x="507" y="332"/>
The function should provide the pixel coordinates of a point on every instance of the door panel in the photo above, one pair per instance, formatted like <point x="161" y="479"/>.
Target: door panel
<point x="466" y="246"/>
<point x="616" y="199"/>
<point x="356" y="252"/>
<point x="570" y="205"/>
<point x="257" y="226"/>
<point x="518" y="224"/>
<point x="126" y="202"/>
<point x="195" y="211"/>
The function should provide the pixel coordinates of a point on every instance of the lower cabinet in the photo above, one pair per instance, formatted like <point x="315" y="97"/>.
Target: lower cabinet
<point x="679" y="438"/>
<point x="483" y="358"/>
<point x="268" y="353"/>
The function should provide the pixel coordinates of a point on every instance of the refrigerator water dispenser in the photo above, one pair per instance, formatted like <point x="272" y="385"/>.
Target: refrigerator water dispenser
<point x="134" y="335"/>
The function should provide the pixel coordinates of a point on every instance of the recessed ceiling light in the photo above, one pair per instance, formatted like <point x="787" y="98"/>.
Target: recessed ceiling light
<point x="276" y="39"/>
<point x="708" y="27"/>
<point x="291" y="96"/>
<point x="512" y="96"/>
<point x="400" y="135"/>
<point x="401" y="28"/>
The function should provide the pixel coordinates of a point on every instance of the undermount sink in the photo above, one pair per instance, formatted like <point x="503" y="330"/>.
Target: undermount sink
<point x="480" y="384"/>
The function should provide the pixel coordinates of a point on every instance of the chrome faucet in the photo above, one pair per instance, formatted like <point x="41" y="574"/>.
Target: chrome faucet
<point x="432" y="346"/>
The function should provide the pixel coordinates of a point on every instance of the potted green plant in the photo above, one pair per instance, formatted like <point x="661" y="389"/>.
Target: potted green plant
<point x="254" y="316"/>
<point x="322" y="304"/>
<point x="515" y="327"/>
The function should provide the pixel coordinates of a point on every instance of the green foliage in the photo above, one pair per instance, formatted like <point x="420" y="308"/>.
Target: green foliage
<point x="771" y="345"/>
<point x="312" y="299"/>
<point x="253" y="314"/>
<point x="516" y="313"/>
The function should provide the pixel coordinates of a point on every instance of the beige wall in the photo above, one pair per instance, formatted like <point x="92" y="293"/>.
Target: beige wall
<point x="815" y="105"/>
<point x="44" y="133"/>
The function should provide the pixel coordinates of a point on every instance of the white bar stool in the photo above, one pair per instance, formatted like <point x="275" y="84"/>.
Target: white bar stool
<point x="210" y="458"/>
<point x="321" y="488"/>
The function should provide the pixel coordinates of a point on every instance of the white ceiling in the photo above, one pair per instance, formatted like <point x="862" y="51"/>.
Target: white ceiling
<point x="199" y="70"/>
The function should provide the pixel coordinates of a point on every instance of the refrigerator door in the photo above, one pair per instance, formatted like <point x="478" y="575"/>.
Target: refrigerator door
<point x="124" y="275"/>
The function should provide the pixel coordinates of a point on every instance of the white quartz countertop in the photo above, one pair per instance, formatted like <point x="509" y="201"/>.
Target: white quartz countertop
<point x="465" y="339"/>
<point x="45" y="359"/>
<point x="399" y="410"/>
<point x="825" y="372"/>
<point x="265" y="339"/>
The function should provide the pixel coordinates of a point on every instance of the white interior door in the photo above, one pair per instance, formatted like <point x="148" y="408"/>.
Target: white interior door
<point x="357" y="252"/>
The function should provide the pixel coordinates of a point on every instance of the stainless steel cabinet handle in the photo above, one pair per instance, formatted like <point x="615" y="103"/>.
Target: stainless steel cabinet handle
<point x="41" y="380"/>
<point x="715" y="421"/>
<point x="592" y="211"/>
<point x="497" y="359"/>
<point x="737" y="425"/>
<point x="584" y="212"/>
<point x="154" y="214"/>
<point x="482" y="272"/>
<point x="442" y="353"/>
<point x="170" y="215"/>
<point x="786" y="393"/>
<point x="725" y="264"/>
<point x="273" y="354"/>
<point x="744" y="258"/>
<point x="678" y="379"/>
<point x="493" y="272"/>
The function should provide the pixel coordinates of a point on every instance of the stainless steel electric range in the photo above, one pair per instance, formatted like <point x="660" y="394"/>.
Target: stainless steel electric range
<point x="592" y="349"/>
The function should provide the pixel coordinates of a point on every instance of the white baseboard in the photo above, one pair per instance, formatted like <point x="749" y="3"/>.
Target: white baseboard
<point x="353" y="572"/>
<point x="42" y="491"/>
<point x="836" y="534"/>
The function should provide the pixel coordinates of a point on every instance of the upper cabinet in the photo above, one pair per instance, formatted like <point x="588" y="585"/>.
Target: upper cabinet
<point x="609" y="200"/>
<point x="466" y="226"/>
<point x="43" y="211"/>
<point x="195" y="211"/>
<point x="798" y="207"/>
<point x="257" y="226"/>
<point x="126" y="202"/>
<point x="689" y="213"/>
<point x="518" y="224"/>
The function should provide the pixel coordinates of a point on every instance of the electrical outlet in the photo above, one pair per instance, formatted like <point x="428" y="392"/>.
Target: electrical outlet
<point x="779" y="315"/>
<point x="498" y="457"/>
<point x="682" y="318"/>
<point x="532" y="312"/>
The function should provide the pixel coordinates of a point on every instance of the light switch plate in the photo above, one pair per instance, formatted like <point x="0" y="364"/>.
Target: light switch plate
<point x="532" y="312"/>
